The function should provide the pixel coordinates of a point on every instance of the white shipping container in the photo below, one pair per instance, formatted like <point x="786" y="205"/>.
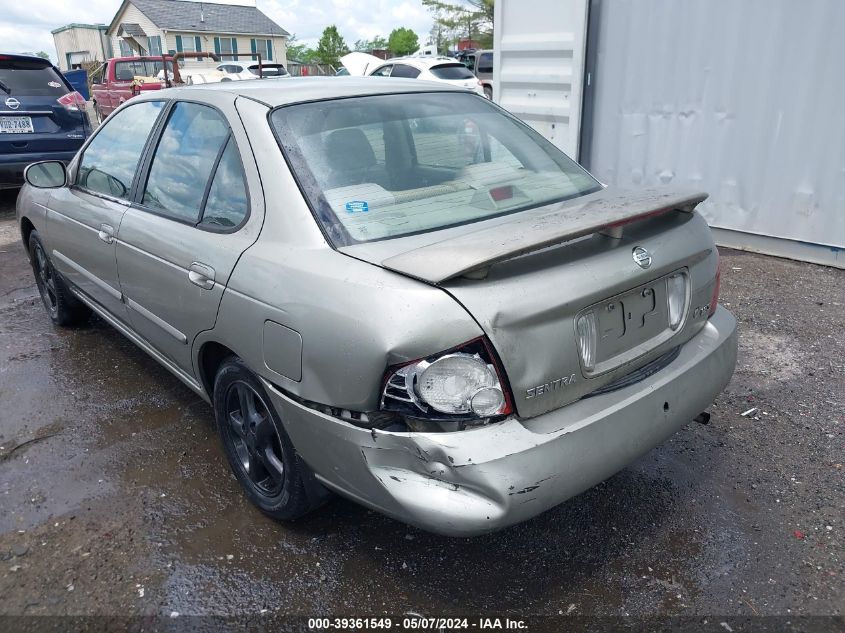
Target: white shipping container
<point x="741" y="99"/>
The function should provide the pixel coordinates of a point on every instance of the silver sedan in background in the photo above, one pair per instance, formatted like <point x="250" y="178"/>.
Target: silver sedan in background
<point x="387" y="288"/>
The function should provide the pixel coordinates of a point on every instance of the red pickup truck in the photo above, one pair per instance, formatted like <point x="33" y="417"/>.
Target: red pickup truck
<point x="118" y="79"/>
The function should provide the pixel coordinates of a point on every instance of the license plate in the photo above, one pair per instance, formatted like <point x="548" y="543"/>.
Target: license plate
<point x="15" y="125"/>
<point x="631" y="319"/>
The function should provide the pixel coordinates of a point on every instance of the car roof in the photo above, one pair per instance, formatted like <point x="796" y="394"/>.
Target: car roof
<point x="302" y="89"/>
<point x="420" y="61"/>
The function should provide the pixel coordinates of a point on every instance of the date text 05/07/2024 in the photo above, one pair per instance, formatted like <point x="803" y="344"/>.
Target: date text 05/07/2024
<point x="417" y="623"/>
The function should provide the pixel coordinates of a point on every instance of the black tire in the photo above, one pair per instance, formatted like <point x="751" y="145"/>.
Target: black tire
<point x="488" y="92"/>
<point x="63" y="308"/>
<point x="279" y="483"/>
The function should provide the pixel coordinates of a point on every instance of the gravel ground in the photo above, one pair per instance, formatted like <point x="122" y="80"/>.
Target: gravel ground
<point x="115" y="497"/>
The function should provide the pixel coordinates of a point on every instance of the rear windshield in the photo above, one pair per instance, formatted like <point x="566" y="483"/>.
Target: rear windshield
<point x="30" y="77"/>
<point x="451" y="71"/>
<point x="375" y="168"/>
<point x="269" y="70"/>
<point x="126" y="71"/>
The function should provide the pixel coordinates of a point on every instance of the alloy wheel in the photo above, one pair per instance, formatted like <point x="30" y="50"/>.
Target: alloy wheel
<point x="255" y="439"/>
<point x="45" y="279"/>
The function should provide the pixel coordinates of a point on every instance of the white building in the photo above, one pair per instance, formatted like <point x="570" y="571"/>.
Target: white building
<point x="80" y="43"/>
<point x="742" y="100"/>
<point x="153" y="27"/>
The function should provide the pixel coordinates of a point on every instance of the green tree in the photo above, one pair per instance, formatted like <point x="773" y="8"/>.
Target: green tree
<point x="43" y="55"/>
<point x="299" y="51"/>
<point x="364" y="46"/>
<point x="331" y="47"/>
<point x="471" y="19"/>
<point x="403" y="41"/>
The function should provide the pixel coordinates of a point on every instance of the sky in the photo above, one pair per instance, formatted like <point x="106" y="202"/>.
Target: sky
<point x="25" y="25"/>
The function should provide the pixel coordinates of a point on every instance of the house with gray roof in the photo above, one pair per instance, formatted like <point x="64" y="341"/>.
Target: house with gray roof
<point x="151" y="27"/>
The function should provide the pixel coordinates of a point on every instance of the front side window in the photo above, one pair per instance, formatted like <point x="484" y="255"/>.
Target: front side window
<point x="385" y="166"/>
<point x="110" y="160"/>
<point x="183" y="161"/>
<point x="384" y="71"/>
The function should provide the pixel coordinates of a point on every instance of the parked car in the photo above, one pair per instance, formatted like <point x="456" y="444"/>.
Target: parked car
<point x="249" y="70"/>
<point x="120" y="78"/>
<point x="480" y="63"/>
<point x="441" y="69"/>
<point x="41" y="116"/>
<point x="454" y="324"/>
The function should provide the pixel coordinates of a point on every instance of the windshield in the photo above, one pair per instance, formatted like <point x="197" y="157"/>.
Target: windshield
<point x="381" y="167"/>
<point x="34" y="78"/>
<point x="451" y="71"/>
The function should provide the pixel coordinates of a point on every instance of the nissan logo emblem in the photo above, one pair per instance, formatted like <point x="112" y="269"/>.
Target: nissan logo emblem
<point x="12" y="103"/>
<point x="642" y="257"/>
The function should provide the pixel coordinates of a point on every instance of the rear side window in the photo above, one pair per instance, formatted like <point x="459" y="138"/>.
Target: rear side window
<point x="451" y="71"/>
<point x="34" y="78"/>
<point x="109" y="162"/>
<point x="184" y="159"/>
<point x="405" y="71"/>
<point x="227" y="205"/>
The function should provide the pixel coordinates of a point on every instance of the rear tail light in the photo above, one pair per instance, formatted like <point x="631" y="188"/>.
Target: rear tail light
<point x="466" y="382"/>
<point x="676" y="288"/>
<point x="714" y="299"/>
<point x="585" y="327"/>
<point x="72" y="101"/>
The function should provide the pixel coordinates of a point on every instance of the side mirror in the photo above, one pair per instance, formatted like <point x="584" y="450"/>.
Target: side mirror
<point x="48" y="174"/>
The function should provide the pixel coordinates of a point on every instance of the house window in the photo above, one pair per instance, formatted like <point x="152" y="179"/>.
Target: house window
<point x="188" y="44"/>
<point x="228" y="45"/>
<point x="125" y="49"/>
<point x="264" y="48"/>
<point x="154" y="45"/>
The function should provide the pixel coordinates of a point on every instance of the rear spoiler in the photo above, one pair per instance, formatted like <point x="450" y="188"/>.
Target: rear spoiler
<point x="470" y="254"/>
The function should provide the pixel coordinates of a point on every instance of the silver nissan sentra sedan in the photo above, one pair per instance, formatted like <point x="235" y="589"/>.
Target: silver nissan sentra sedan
<point x="389" y="289"/>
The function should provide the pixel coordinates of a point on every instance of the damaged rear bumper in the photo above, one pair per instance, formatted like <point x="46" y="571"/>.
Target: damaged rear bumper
<point x="479" y="480"/>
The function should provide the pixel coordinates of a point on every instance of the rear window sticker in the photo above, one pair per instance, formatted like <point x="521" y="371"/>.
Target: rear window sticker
<point x="357" y="206"/>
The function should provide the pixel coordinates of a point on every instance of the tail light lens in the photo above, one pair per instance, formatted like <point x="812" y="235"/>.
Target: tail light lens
<point x="463" y="383"/>
<point x="72" y="101"/>
<point x="714" y="299"/>
<point x="676" y="288"/>
<point x="585" y="327"/>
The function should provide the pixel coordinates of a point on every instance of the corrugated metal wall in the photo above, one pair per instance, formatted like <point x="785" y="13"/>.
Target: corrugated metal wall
<point x="744" y="99"/>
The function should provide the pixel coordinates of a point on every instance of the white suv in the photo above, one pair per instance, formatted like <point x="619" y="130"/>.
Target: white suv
<point x="443" y="69"/>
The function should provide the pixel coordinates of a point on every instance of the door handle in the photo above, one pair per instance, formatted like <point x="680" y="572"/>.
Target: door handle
<point x="201" y="275"/>
<point x="106" y="233"/>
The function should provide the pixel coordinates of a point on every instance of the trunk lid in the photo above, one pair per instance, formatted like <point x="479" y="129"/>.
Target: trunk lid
<point x="537" y="271"/>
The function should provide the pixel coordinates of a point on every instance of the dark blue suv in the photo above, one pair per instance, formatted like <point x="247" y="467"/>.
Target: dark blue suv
<point x="41" y="116"/>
